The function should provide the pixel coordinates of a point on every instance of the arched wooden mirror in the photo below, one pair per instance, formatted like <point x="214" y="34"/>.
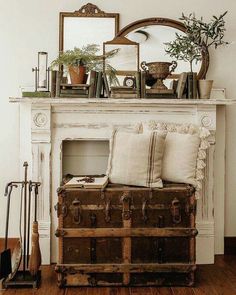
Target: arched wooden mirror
<point x="152" y="33"/>
<point x="88" y="25"/>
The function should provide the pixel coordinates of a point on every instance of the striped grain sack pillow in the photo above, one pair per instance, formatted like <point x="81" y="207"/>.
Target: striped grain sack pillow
<point x="136" y="159"/>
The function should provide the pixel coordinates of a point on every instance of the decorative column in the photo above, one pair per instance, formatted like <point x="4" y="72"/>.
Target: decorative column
<point x="41" y="171"/>
<point x="206" y="117"/>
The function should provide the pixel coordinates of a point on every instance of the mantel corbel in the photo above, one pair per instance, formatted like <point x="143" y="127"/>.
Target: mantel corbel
<point x="41" y="123"/>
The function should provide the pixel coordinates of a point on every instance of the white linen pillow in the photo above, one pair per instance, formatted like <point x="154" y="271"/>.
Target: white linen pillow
<point x="136" y="159"/>
<point x="180" y="157"/>
<point x="185" y="152"/>
<point x="135" y="128"/>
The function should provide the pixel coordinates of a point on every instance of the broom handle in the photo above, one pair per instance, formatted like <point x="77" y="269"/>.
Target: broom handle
<point x="7" y="216"/>
<point x="28" y="226"/>
<point x="25" y="208"/>
<point x="35" y="206"/>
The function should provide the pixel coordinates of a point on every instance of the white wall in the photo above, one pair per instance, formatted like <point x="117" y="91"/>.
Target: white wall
<point x="27" y="27"/>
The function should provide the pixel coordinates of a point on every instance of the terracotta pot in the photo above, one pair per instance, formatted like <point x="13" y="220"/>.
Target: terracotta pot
<point x="205" y="87"/>
<point x="77" y="74"/>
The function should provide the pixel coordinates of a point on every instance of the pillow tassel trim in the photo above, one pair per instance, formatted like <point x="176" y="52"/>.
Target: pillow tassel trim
<point x="192" y="129"/>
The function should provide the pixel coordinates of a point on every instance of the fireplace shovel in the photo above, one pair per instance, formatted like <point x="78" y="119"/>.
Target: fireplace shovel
<point x="5" y="256"/>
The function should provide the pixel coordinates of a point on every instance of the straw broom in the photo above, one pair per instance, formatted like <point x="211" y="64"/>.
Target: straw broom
<point x="35" y="257"/>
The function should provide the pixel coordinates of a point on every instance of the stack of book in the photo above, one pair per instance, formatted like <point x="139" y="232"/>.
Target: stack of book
<point x="123" y="92"/>
<point x="98" y="85"/>
<point x="156" y="93"/>
<point x="187" y="86"/>
<point x="96" y="88"/>
<point x="74" y="90"/>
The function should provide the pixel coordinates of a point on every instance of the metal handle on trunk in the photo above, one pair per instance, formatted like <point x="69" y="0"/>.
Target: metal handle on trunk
<point x="144" y="210"/>
<point x="126" y="200"/>
<point x="107" y="211"/>
<point x="176" y="211"/>
<point x="76" y="211"/>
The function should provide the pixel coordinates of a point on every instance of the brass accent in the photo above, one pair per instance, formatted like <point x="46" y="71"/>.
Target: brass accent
<point x="61" y="209"/>
<point x="60" y="233"/>
<point x="107" y="211"/>
<point x="144" y="210"/>
<point x="76" y="211"/>
<point x="126" y="200"/>
<point x="64" y="210"/>
<point x="176" y="211"/>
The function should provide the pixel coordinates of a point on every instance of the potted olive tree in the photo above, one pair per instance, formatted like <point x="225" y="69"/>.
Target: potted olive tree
<point x="199" y="37"/>
<point x="182" y="48"/>
<point x="80" y="61"/>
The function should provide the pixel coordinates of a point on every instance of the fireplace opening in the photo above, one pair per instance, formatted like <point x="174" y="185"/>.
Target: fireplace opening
<point x="85" y="157"/>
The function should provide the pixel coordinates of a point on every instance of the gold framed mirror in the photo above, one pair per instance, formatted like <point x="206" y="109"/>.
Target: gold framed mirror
<point x="126" y="64"/>
<point x="88" y="25"/>
<point x="152" y="33"/>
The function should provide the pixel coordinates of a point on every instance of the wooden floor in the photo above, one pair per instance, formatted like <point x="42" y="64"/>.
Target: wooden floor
<point x="219" y="278"/>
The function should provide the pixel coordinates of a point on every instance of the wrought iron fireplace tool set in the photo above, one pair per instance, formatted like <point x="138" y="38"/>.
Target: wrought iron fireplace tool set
<point x="20" y="269"/>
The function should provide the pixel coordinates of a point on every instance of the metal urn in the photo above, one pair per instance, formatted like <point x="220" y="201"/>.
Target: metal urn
<point x="159" y="70"/>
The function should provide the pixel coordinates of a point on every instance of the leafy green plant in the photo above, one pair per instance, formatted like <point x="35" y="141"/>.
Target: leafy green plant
<point x="205" y="34"/>
<point x="182" y="48"/>
<point x="199" y="37"/>
<point x="88" y="57"/>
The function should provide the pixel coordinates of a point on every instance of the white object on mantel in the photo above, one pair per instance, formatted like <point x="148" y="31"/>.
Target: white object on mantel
<point x="218" y="93"/>
<point x="45" y="123"/>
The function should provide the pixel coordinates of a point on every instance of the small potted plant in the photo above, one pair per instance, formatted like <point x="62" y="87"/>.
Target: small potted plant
<point x="199" y="37"/>
<point x="80" y="61"/>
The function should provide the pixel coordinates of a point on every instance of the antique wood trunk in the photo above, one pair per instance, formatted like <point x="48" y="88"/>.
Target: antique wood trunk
<point x="125" y="235"/>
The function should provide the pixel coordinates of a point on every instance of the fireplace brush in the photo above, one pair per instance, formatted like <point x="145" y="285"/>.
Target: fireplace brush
<point x="35" y="257"/>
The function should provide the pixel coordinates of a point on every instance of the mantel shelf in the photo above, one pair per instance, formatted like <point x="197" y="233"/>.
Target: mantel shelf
<point x="133" y="102"/>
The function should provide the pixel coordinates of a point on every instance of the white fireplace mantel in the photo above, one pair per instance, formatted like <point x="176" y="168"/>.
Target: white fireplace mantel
<point x="46" y="122"/>
<point x="125" y="102"/>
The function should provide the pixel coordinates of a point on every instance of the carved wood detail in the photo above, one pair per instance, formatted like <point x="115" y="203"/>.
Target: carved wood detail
<point x="90" y="9"/>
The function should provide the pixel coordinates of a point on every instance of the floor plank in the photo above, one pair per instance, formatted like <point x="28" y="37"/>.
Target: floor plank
<point x="119" y="291"/>
<point x="97" y="291"/>
<point x="76" y="291"/>
<point x="221" y="281"/>
<point x="140" y="291"/>
<point x="161" y="291"/>
<point x="217" y="279"/>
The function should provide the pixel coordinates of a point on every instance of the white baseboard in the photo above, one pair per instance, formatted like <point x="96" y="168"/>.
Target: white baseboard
<point x="45" y="241"/>
<point x="205" y="248"/>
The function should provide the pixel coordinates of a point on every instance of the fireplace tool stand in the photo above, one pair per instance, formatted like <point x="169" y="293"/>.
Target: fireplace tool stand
<point x="23" y="274"/>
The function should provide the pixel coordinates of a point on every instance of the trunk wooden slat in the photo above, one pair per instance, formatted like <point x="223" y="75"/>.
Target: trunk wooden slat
<point x="126" y="236"/>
